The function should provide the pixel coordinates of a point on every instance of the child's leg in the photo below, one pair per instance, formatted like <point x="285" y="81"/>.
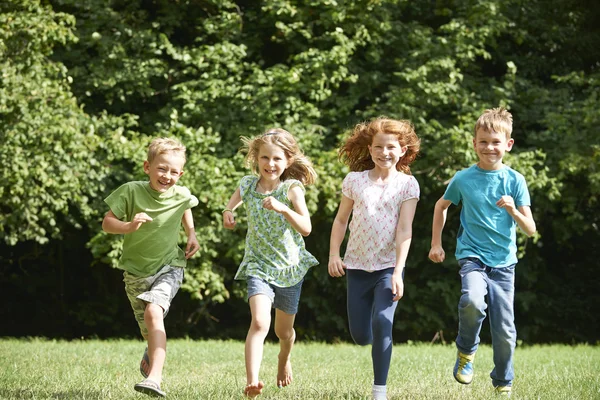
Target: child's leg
<point x="260" y="307"/>
<point x="157" y="341"/>
<point x="471" y="306"/>
<point x="284" y="329"/>
<point x="502" y="323"/>
<point x="150" y="299"/>
<point x="383" y="321"/>
<point x="360" y="306"/>
<point x="286" y="302"/>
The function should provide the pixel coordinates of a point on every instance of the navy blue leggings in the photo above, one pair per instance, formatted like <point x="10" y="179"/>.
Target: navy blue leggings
<point x="371" y="316"/>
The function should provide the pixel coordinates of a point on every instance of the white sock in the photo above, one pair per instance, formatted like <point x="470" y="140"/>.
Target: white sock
<point x="379" y="392"/>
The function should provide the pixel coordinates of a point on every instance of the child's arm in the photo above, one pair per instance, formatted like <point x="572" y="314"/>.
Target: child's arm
<point x="111" y="224"/>
<point x="233" y="203"/>
<point x="403" y="239"/>
<point x="338" y="231"/>
<point x="192" y="245"/>
<point x="299" y="216"/>
<point x="521" y="215"/>
<point x="437" y="254"/>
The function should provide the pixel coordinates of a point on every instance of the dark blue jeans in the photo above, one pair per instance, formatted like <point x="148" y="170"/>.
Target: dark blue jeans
<point x="498" y="284"/>
<point x="371" y="316"/>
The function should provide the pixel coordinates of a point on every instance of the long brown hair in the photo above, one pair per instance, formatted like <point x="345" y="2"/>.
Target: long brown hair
<point x="300" y="166"/>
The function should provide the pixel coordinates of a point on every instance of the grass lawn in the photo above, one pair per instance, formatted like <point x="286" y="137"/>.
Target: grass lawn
<point x="94" y="369"/>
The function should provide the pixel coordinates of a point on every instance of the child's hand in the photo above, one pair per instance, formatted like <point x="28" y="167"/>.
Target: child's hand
<point x="508" y="203"/>
<point x="271" y="203"/>
<point x="437" y="254"/>
<point x="228" y="220"/>
<point x="397" y="286"/>
<point x="192" y="245"/>
<point x="336" y="267"/>
<point x="138" y="220"/>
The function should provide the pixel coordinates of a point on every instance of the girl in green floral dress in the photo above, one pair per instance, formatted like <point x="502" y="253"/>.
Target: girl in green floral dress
<point x="275" y="260"/>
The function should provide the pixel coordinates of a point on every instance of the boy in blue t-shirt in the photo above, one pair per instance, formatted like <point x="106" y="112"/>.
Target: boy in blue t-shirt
<point x="494" y="200"/>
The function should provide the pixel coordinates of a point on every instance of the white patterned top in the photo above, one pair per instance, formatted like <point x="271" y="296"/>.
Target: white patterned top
<point x="275" y="251"/>
<point x="372" y="246"/>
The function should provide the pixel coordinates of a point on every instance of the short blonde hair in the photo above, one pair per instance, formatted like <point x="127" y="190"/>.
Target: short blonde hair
<point x="495" y="120"/>
<point x="165" y="145"/>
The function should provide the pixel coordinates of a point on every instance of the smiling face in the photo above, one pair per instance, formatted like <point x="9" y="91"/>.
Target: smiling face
<point x="490" y="147"/>
<point x="272" y="162"/>
<point x="164" y="170"/>
<point x="386" y="151"/>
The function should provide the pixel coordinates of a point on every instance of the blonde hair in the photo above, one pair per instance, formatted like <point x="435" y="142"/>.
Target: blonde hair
<point x="495" y="120"/>
<point x="300" y="166"/>
<point x="355" y="151"/>
<point x="165" y="145"/>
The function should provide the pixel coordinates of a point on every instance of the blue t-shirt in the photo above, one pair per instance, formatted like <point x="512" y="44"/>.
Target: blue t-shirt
<point x="487" y="232"/>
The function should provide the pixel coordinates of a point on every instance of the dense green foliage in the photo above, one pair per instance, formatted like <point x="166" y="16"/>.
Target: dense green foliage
<point x="86" y="84"/>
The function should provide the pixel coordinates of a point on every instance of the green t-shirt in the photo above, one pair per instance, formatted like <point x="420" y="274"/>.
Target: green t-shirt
<point x="154" y="245"/>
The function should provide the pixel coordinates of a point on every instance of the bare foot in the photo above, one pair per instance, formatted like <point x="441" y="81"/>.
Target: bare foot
<point x="284" y="372"/>
<point x="254" y="389"/>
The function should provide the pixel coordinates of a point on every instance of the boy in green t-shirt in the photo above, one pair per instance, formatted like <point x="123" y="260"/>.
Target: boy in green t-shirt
<point x="150" y="214"/>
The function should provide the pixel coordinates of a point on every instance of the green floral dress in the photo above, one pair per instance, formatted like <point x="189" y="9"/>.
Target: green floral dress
<point x="275" y="251"/>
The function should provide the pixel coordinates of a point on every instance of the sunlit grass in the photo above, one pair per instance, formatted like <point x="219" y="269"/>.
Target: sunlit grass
<point x="41" y="369"/>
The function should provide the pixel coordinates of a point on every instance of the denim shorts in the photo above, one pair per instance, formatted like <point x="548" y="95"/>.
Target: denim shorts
<point x="285" y="299"/>
<point x="159" y="289"/>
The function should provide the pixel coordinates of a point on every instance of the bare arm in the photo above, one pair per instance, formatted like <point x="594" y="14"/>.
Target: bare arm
<point x="111" y="224"/>
<point x="437" y="254"/>
<point x="522" y="215"/>
<point x="525" y="220"/>
<point x="192" y="245"/>
<point x="234" y="202"/>
<point x="299" y="216"/>
<point x="335" y="265"/>
<point x="403" y="240"/>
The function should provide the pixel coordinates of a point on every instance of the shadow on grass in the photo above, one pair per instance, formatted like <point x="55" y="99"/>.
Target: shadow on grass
<point x="26" y="394"/>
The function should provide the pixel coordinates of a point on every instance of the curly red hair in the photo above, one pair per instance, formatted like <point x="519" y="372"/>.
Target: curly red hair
<point x="355" y="151"/>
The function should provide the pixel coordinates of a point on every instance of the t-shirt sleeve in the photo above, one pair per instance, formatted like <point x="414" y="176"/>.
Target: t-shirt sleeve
<point x="453" y="190"/>
<point x="521" y="197"/>
<point x="348" y="186"/>
<point x="295" y="182"/>
<point x="117" y="201"/>
<point x="412" y="190"/>
<point x="193" y="200"/>
<point x="244" y="185"/>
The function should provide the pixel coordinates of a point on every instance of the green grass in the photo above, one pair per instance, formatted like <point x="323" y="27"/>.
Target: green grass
<point x="44" y="369"/>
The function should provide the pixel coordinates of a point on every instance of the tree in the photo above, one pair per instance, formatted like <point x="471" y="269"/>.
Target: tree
<point x="86" y="85"/>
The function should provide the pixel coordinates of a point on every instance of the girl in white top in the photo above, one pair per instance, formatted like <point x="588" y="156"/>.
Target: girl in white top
<point x="382" y="196"/>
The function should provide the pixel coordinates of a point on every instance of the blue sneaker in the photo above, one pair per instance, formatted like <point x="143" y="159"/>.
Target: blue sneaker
<point x="463" y="369"/>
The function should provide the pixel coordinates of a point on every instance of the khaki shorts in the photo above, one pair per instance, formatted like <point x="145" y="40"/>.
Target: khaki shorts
<point x="157" y="289"/>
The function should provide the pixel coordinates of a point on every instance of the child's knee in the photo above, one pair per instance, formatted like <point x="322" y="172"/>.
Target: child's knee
<point x="153" y="312"/>
<point x="285" y="334"/>
<point x="472" y="305"/>
<point x="382" y="324"/>
<point x="260" y="325"/>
